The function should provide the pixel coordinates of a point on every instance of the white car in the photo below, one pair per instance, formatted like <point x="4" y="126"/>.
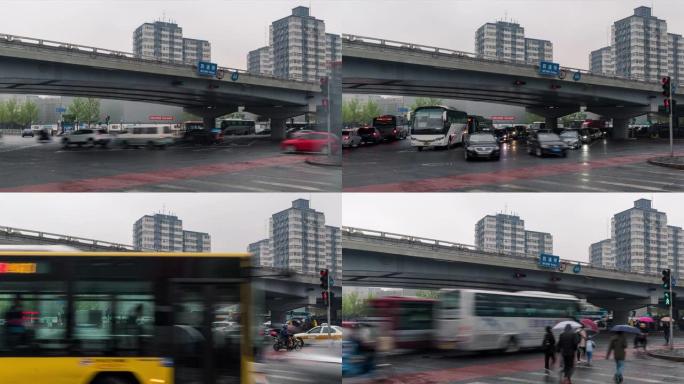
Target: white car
<point x="147" y="135"/>
<point x="87" y="136"/>
<point x="319" y="334"/>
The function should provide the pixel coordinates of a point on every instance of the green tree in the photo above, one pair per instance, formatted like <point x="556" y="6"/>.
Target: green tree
<point x="531" y="118"/>
<point x="85" y="110"/>
<point x="565" y="120"/>
<point x="27" y="113"/>
<point x="12" y="111"/>
<point x="186" y="116"/>
<point x="369" y="111"/>
<point x="424" y="102"/>
<point x="351" y="111"/>
<point x="354" y="306"/>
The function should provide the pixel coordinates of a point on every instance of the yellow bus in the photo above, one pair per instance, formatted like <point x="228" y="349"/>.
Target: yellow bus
<point x="125" y="318"/>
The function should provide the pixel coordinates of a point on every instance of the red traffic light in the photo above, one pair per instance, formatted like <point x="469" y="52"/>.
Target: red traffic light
<point x="519" y="82"/>
<point x="665" y="80"/>
<point x="555" y="86"/>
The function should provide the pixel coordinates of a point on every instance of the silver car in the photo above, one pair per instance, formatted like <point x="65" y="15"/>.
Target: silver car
<point x="350" y="138"/>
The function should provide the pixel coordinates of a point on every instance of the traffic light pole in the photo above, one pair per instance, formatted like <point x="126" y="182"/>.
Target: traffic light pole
<point x="329" y="300"/>
<point x="671" y="297"/>
<point x="671" y="137"/>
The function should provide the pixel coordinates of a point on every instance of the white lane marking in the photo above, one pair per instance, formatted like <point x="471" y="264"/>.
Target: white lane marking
<point x="629" y="378"/>
<point x="228" y="185"/>
<point x="12" y="149"/>
<point x="287" y="185"/>
<point x="564" y="184"/>
<point x="629" y="185"/>
<point x="514" y="379"/>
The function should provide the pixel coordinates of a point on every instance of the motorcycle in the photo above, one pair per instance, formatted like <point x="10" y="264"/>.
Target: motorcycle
<point x="278" y="344"/>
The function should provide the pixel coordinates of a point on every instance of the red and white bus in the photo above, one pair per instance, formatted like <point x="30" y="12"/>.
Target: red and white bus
<point x="406" y="320"/>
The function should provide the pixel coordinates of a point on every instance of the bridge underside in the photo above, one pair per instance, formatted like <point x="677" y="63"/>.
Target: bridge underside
<point x="369" y="76"/>
<point x="373" y="269"/>
<point x="214" y="97"/>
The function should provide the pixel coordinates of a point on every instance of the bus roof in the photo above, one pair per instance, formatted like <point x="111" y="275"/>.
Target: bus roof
<point x="124" y="254"/>
<point x="539" y="294"/>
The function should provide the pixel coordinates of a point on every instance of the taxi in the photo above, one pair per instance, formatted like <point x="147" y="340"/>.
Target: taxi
<point x="320" y="333"/>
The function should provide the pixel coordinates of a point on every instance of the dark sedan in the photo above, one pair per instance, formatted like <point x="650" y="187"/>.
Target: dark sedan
<point x="369" y="135"/>
<point x="482" y="145"/>
<point x="541" y="144"/>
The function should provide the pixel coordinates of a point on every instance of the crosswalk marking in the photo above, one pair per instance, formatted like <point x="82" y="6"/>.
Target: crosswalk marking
<point x="287" y="185"/>
<point x="517" y="380"/>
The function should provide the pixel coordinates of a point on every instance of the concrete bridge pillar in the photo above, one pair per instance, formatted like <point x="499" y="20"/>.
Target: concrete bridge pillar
<point x="620" y="316"/>
<point x="278" y="127"/>
<point x="620" y="128"/>
<point x="209" y="122"/>
<point x="551" y="123"/>
<point x="278" y="316"/>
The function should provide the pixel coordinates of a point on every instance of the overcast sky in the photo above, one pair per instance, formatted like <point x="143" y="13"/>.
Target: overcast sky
<point x="574" y="219"/>
<point x="235" y="27"/>
<point x="232" y="219"/>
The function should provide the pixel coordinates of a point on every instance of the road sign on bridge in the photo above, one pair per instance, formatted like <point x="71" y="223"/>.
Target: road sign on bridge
<point x="549" y="261"/>
<point x="205" y="68"/>
<point x="548" y="68"/>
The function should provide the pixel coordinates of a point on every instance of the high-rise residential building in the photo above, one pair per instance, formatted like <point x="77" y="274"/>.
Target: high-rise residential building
<point x="537" y="243"/>
<point x="537" y="50"/>
<point x="260" y="61"/>
<point x="641" y="43"/>
<point x="196" y="241"/>
<point x="299" y="46"/>
<point x="602" y="61"/>
<point x="164" y="233"/>
<point x="298" y="238"/>
<point x="640" y="239"/>
<point x="675" y="249"/>
<point x="158" y="232"/>
<point x="195" y="50"/>
<point x="333" y="250"/>
<point x="601" y="254"/>
<point x="261" y="253"/>
<point x="333" y="48"/>
<point x="501" y="233"/>
<point x="164" y="41"/>
<point x="675" y="59"/>
<point x="505" y="40"/>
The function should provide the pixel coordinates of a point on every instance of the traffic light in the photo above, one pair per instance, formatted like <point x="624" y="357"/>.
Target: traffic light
<point x="324" y="296"/>
<point x="555" y="278"/>
<point x="667" y="299"/>
<point x="666" y="104"/>
<point x="555" y="86"/>
<point x="519" y="275"/>
<point x="518" y="82"/>
<point x="665" y="81"/>
<point x="666" y="279"/>
<point x="324" y="279"/>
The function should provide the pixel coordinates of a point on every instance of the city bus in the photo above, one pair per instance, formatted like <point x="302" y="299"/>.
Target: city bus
<point x="238" y="127"/>
<point x="479" y="124"/>
<point x="438" y="126"/>
<point x="406" y="320"/>
<point x="125" y="317"/>
<point x="478" y="320"/>
<point x="391" y="127"/>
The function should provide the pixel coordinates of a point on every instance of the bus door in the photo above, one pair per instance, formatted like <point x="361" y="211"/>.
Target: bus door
<point x="207" y="332"/>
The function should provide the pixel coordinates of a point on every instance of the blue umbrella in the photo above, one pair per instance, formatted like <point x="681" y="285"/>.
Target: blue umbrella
<point x="625" y="328"/>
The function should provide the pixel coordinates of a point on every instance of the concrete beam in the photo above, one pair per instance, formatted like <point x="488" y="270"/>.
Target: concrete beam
<point x="548" y="112"/>
<point x="621" y="112"/>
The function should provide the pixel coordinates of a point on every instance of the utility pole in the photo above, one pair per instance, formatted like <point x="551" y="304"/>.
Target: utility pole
<point x="671" y="297"/>
<point x="330" y="298"/>
<point x="671" y="150"/>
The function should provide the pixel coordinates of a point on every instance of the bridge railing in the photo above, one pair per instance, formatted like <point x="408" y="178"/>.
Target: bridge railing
<point x="121" y="54"/>
<point x="381" y="236"/>
<point x="451" y="52"/>
<point x="66" y="238"/>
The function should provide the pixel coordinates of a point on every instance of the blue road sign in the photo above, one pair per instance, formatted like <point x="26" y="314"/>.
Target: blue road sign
<point x="577" y="76"/>
<point x="60" y="109"/>
<point x="577" y="268"/>
<point x="549" y="261"/>
<point x="402" y="109"/>
<point x="234" y="76"/>
<point x="548" y="68"/>
<point x="206" y="69"/>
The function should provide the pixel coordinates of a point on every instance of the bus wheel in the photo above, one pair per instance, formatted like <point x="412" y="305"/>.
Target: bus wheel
<point x="512" y="346"/>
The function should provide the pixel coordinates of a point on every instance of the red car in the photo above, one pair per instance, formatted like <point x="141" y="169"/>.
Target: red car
<point x="311" y="142"/>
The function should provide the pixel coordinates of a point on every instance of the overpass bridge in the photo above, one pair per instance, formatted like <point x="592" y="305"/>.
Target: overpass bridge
<point x="381" y="259"/>
<point x="386" y="67"/>
<point x="284" y="290"/>
<point x="44" y="67"/>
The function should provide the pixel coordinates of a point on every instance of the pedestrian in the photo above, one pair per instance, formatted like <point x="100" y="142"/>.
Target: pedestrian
<point x="590" y="349"/>
<point x="549" y="347"/>
<point x="618" y="345"/>
<point x="666" y="332"/>
<point x="582" y="343"/>
<point x="567" y="347"/>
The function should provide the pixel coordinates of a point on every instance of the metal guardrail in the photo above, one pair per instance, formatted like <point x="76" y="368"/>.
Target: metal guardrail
<point x="60" y="237"/>
<point x="120" y="54"/>
<point x="473" y="56"/>
<point x="381" y="236"/>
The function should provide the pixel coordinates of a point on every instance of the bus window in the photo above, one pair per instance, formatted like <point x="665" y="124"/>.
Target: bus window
<point x="415" y="316"/>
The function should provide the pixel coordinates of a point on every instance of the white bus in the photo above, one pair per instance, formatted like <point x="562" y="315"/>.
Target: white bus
<point x="438" y="126"/>
<point x="477" y="320"/>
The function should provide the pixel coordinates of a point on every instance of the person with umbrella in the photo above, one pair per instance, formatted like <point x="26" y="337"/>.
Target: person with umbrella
<point x="567" y="347"/>
<point x="618" y="345"/>
<point x="549" y="347"/>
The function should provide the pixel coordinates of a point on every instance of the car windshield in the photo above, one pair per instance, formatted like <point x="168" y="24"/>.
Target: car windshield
<point x="429" y="121"/>
<point x="346" y="133"/>
<point x="482" y="139"/>
<point x="314" y="330"/>
<point x="570" y="134"/>
<point x="366" y="131"/>
<point x="548" y="137"/>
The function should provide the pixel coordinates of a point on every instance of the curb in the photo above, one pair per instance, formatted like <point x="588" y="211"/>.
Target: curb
<point x="662" y="161"/>
<point x="679" y="359"/>
<point x="314" y="161"/>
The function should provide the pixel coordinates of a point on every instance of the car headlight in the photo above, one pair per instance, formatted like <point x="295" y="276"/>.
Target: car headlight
<point x="545" y="146"/>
